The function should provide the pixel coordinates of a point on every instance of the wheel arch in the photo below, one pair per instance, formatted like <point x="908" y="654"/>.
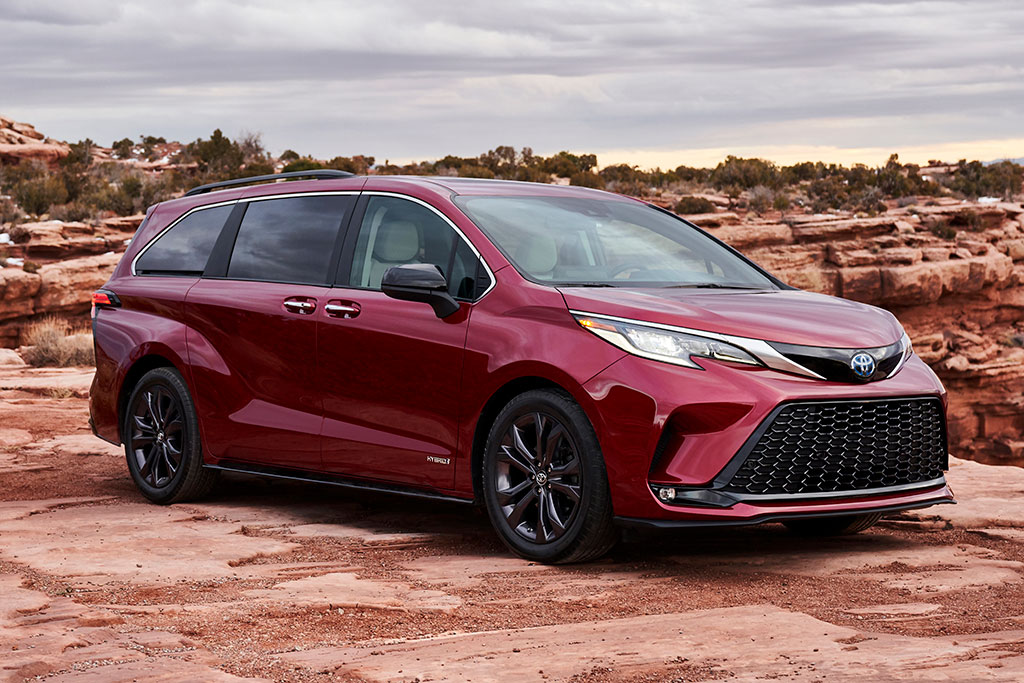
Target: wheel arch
<point x="135" y="372"/>
<point x="498" y="400"/>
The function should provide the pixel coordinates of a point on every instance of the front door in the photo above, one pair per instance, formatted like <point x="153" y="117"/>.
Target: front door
<point x="391" y="370"/>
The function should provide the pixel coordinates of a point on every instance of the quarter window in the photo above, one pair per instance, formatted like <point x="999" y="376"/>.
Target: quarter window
<point x="186" y="247"/>
<point x="288" y="240"/>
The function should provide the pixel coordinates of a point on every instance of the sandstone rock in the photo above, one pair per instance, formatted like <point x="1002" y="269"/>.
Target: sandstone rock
<point x="935" y="253"/>
<point x="68" y="285"/>
<point x="714" y="220"/>
<point x="904" y="228"/>
<point x="956" y="364"/>
<point x="921" y="283"/>
<point x="861" y="284"/>
<point x="1015" y="249"/>
<point x="10" y="357"/>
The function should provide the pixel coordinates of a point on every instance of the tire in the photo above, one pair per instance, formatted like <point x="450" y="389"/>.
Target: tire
<point x="833" y="526"/>
<point x="161" y="440"/>
<point x="549" y="504"/>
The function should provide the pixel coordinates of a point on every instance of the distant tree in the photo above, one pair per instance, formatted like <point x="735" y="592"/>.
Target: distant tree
<point x="289" y="155"/>
<point x="745" y="173"/>
<point x="302" y="165"/>
<point x="587" y="179"/>
<point x="123" y="148"/>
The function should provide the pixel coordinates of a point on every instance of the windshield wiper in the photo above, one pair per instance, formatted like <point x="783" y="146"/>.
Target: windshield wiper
<point x="584" y="284"/>
<point x="712" y="285"/>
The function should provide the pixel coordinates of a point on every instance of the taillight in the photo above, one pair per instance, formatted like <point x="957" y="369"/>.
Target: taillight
<point x="104" y="298"/>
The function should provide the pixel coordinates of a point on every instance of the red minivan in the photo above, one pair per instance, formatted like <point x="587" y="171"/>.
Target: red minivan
<point x="574" y="360"/>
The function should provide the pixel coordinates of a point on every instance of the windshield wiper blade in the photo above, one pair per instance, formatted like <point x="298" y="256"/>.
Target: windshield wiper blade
<point x="585" y="284"/>
<point x="712" y="285"/>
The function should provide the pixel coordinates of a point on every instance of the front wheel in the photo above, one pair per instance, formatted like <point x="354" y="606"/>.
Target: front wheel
<point x="161" y="440"/>
<point x="544" y="480"/>
<point x="833" y="526"/>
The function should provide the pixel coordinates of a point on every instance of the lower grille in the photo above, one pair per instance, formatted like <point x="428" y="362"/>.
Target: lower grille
<point x="846" y="446"/>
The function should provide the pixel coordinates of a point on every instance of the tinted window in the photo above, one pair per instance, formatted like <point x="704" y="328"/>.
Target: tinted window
<point x="185" y="248"/>
<point x="288" y="240"/>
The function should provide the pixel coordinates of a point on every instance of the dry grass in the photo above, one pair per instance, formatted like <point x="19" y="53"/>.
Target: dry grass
<point x="53" y="343"/>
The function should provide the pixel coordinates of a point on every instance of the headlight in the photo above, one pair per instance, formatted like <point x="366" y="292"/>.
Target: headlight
<point x="663" y="345"/>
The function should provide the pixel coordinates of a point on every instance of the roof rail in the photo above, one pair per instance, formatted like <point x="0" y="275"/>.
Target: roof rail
<point x="318" y="174"/>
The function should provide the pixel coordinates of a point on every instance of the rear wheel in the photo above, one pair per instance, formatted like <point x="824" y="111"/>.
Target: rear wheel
<point x="833" y="526"/>
<point x="161" y="440"/>
<point x="544" y="480"/>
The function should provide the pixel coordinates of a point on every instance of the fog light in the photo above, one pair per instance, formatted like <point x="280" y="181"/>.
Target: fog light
<point x="667" y="494"/>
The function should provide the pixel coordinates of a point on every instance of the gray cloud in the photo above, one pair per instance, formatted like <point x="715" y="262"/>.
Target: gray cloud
<point x="403" y="78"/>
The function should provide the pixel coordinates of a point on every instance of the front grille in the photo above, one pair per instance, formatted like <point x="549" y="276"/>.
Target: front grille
<point x="846" y="446"/>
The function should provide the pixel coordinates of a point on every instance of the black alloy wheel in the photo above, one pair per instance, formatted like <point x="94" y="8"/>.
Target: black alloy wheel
<point x="161" y="439"/>
<point x="157" y="435"/>
<point x="539" y="477"/>
<point x="544" y="480"/>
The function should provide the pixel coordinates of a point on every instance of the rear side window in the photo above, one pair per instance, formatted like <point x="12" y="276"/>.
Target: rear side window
<point x="288" y="240"/>
<point x="185" y="248"/>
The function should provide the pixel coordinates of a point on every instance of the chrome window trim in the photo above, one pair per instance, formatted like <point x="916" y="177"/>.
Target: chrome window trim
<point x="177" y="220"/>
<point x="759" y="348"/>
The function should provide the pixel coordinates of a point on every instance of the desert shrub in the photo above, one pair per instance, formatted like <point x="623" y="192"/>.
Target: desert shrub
<point x="475" y="171"/>
<point x="692" y="205"/>
<point x="761" y="199"/>
<point x="53" y="343"/>
<point x="966" y="219"/>
<point x="9" y="211"/>
<point x="111" y="198"/>
<point x="289" y="155"/>
<point x="781" y="202"/>
<point x="20" y="234"/>
<point x="72" y="211"/>
<point x="943" y="229"/>
<point x="587" y="179"/>
<point x="302" y="165"/>
<point x="30" y="267"/>
<point x="36" y="196"/>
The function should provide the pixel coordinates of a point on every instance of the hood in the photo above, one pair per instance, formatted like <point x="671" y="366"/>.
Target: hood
<point x="787" y="316"/>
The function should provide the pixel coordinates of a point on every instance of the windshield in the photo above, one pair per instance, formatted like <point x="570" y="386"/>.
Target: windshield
<point x="606" y="243"/>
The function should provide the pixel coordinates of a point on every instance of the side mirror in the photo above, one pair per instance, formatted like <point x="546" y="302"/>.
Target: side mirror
<point x="422" y="282"/>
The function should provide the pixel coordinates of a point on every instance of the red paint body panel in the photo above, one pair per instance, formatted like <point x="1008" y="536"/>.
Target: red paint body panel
<point x="376" y="395"/>
<point x="254" y="369"/>
<point x="391" y="379"/>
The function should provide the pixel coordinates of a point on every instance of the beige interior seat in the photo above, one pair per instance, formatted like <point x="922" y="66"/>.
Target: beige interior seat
<point x="397" y="242"/>
<point x="538" y="256"/>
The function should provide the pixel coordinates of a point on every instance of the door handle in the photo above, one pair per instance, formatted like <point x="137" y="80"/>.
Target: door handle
<point x="342" y="310"/>
<point x="304" y="307"/>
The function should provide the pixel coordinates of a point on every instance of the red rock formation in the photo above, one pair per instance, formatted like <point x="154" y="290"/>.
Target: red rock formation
<point x="21" y="142"/>
<point x="961" y="299"/>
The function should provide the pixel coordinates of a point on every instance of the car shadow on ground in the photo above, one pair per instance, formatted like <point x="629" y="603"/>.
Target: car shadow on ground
<point x="275" y="501"/>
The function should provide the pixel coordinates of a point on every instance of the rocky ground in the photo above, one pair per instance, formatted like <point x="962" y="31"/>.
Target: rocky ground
<point x="278" y="581"/>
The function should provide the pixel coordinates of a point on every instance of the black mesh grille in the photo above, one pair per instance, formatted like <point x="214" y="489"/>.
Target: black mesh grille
<point x="846" y="446"/>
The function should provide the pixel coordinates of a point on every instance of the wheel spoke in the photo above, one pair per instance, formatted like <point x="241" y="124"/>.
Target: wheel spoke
<point x="557" y="526"/>
<point x="539" y="423"/>
<point x="568" y="490"/>
<point x="515" y="518"/>
<point x="173" y="427"/>
<point x="513" y="457"/>
<point x="510" y="495"/>
<point x="517" y="440"/>
<point x="142" y="425"/>
<point x="554" y="440"/>
<point x="169" y="463"/>
<point x="151" y="409"/>
<point x="148" y="463"/>
<point x="542" y="507"/>
<point x="571" y="467"/>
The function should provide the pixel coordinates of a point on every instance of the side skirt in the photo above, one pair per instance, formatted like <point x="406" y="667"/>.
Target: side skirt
<point x="334" y="480"/>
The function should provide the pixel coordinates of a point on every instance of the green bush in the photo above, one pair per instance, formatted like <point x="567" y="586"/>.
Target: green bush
<point x="694" y="205"/>
<point x="36" y="196"/>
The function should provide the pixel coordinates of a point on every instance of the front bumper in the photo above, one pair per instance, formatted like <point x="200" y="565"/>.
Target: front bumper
<point x="662" y="425"/>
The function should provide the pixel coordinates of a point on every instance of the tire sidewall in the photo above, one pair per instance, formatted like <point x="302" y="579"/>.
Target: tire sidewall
<point x="191" y="454"/>
<point x="567" y="412"/>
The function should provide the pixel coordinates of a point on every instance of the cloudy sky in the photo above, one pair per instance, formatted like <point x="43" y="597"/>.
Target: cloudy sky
<point x="650" y="82"/>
